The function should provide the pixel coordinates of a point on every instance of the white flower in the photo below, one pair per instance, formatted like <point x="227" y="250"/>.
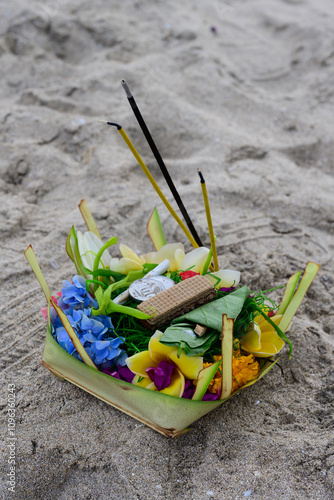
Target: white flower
<point x="89" y="245"/>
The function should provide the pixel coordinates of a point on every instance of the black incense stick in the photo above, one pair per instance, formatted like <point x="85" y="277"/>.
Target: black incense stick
<point x="160" y="162"/>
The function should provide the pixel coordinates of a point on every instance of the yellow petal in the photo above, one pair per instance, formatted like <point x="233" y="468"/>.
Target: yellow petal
<point x="139" y="362"/>
<point x="195" y="260"/>
<point x="179" y="256"/>
<point x="273" y="339"/>
<point x="190" y="366"/>
<point x="148" y="257"/>
<point x="252" y="340"/>
<point x="129" y="254"/>
<point x="124" y="265"/>
<point x="141" y="381"/>
<point x="267" y="327"/>
<point x="228" y="278"/>
<point x="271" y="344"/>
<point x="158" y="351"/>
<point x="266" y="350"/>
<point x="176" y="387"/>
<point x="168" y="252"/>
<point x="152" y="387"/>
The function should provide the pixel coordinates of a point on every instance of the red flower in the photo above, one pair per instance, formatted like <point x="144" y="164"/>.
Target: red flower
<point x="188" y="274"/>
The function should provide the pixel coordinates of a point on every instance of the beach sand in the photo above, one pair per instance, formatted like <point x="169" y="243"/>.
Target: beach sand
<point x="242" y="90"/>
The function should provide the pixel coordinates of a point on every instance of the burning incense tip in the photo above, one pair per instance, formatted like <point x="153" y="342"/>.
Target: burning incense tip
<point x="126" y="89"/>
<point x="200" y="176"/>
<point x="115" y="125"/>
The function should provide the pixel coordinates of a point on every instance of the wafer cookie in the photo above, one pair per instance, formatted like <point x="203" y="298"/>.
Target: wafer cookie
<point x="177" y="300"/>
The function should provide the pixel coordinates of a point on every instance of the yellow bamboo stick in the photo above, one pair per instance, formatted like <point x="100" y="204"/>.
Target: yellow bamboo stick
<point x="154" y="184"/>
<point x="227" y="356"/>
<point x="209" y="220"/>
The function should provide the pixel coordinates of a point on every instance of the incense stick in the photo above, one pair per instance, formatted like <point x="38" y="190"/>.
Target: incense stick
<point x="154" y="183"/>
<point x="160" y="161"/>
<point x="209" y="220"/>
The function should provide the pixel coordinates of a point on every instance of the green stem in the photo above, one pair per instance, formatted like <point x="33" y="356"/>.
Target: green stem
<point x="96" y="283"/>
<point x="208" y="260"/>
<point x="108" y="244"/>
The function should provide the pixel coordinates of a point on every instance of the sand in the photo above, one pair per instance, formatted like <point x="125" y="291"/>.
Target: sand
<point x="243" y="90"/>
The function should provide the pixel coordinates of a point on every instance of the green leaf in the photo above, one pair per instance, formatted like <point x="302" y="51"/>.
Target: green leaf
<point x="211" y="314"/>
<point x="31" y="258"/>
<point x="70" y="250"/>
<point x="149" y="267"/>
<point x="308" y="276"/>
<point x="191" y="343"/>
<point x="288" y="293"/>
<point x="204" y="378"/>
<point x="88" y="218"/>
<point x="208" y="260"/>
<point x="155" y="231"/>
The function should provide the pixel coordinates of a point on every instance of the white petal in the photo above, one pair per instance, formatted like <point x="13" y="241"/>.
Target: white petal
<point x="86" y="256"/>
<point x="93" y="243"/>
<point x="195" y="260"/>
<point x="228" y="278"/>
<point x="168" y="252"/>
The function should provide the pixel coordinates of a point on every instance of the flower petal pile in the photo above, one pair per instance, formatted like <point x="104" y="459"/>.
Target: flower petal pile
<point x="244" y="369"/>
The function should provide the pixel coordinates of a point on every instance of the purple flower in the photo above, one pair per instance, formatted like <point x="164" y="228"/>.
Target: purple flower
<point x="126" y="374"/>
<point x="227" y="290"/>
<point x="112" y="374"/>
<point x="189" y="389"/>
<point x="209" y="396"/>
<point x="161" y="375"/>
<point x="123" y="373"/>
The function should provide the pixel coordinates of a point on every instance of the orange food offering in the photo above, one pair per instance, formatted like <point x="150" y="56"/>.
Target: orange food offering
<point x="244" y="369"/>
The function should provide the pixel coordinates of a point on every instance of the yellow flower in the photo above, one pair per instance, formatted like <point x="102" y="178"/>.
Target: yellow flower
<point x="130" y="261"/>
<point x="186" y="366"/>
<point x="244" y="369"/>
<point x="261" y="338"/>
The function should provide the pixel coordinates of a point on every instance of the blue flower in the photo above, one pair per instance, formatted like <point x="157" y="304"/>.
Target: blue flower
<point x="105" y="350"/>
<point x="96" y="334"/>
<point x="64" y="340"/>
<point x="75" y="294"/>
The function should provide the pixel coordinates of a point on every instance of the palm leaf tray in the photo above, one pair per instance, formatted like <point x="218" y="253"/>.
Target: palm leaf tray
<point x="169" y="359"/>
